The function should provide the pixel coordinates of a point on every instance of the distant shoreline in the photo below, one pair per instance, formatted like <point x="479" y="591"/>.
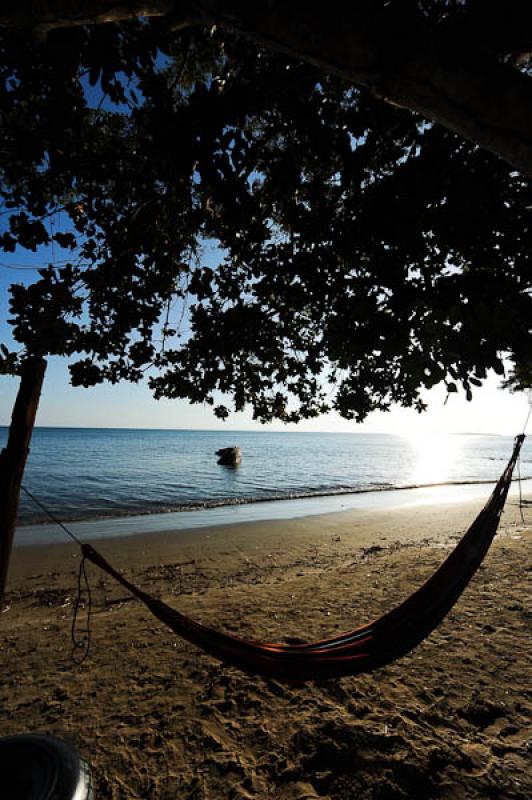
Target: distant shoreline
<point x="249" y="430"/>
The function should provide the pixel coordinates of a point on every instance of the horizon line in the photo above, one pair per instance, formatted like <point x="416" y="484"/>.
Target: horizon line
<point x="247" y="430"/>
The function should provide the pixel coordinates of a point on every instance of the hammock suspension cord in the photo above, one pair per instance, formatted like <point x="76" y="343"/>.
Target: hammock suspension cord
<point x="525" y="426"/>
<point x="80" y="642"/>
<point x="360" y="650"/>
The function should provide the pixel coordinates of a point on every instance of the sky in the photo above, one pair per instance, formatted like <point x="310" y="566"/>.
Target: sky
<point x="492" y="410"/>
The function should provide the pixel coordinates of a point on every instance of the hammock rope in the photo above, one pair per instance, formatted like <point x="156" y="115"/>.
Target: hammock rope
<point x="81" y="639"/>
<point x="525" y="426"/>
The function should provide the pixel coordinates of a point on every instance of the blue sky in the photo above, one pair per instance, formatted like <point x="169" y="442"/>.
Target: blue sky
<point x="132" y="406"/>
<point x="492" y="410"/>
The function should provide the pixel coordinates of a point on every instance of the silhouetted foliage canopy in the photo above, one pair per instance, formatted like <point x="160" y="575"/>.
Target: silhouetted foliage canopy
<point x="243" y="229"/>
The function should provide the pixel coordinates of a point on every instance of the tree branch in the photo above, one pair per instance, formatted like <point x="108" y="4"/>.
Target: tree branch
<point x="449" y="73"/>
<point x="39" y="17"/>
<point x="446" y="78"/>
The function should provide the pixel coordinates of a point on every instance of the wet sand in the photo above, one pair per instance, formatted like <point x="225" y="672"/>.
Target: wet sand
<point x="158" y="719"/>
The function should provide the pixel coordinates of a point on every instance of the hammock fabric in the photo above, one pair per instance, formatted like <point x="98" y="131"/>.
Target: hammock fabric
<point x="365" y="648"/>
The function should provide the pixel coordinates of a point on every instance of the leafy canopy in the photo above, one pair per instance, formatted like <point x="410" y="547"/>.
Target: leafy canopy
<point x="362" y="253"/>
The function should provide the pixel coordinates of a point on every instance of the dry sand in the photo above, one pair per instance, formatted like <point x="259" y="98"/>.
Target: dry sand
<point x="158" y="719"/>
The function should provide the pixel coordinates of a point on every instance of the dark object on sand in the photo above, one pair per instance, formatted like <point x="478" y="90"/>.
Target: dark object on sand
<point x="36" y="767"/>
<point x="229" y="456"/>
<point x="362" y="649"/>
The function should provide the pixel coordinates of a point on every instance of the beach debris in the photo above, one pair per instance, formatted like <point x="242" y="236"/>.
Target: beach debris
<point x="369" y="551"/>
<point x="229" y="456"/>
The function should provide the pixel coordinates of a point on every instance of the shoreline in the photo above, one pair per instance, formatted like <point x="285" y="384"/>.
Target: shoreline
<point x="423" y="523"/>
<point x="260" y="510"/>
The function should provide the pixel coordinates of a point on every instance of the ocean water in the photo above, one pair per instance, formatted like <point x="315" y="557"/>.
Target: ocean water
<point x="97" y="474"/>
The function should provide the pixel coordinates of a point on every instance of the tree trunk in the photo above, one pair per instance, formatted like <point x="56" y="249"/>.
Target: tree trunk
<point x="13" y="457"/>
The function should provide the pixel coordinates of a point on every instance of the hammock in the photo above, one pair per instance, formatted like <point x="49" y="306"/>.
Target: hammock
<point x="360" y="650"/>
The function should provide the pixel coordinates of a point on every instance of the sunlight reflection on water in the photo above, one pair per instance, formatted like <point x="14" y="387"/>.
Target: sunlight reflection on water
<point x="434" y="457"/>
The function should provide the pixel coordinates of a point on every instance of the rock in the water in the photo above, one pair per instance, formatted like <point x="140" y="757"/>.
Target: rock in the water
<point x="229" y="456"/>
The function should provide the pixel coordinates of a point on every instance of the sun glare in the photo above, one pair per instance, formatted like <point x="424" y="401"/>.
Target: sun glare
<point x="433" y="457"/>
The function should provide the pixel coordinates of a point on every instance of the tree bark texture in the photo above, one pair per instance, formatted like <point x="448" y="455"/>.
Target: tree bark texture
<point x="13" y="457"/>
<point x="449" y="73"/>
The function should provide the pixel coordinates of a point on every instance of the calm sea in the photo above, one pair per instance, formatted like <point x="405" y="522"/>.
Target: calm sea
<point x="97" y="474"/>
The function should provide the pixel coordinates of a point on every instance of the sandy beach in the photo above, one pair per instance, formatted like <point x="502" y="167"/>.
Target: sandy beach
<point x="158" y="719"/>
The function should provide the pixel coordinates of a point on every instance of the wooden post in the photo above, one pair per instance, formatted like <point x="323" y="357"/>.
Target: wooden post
<point x="13" y="457"/>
